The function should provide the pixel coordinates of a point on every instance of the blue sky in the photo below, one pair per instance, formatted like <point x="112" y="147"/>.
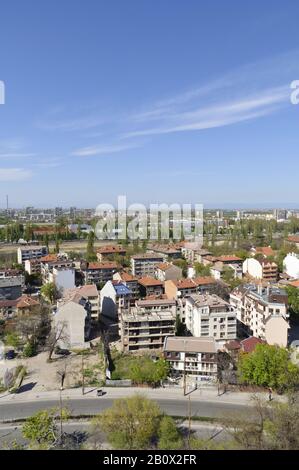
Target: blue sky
<point x="162" y="101"/>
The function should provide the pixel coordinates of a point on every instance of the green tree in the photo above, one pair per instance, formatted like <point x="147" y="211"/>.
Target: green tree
<point x="90" y="252"/>
<point x="293" y="299"/>
<point x="41" y="429"/>
<point x="183" y="264"/>
<point x="131" y="423"/>
<point x="268" y="366"/>
<point x="202" y="270"/>
<point x="169" y="436"/>
<point x="12" y="339"/>
<point x="49" y="291"/>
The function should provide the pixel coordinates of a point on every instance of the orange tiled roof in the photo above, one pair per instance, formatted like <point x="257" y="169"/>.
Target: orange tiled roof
<point x="149" y="281"/>
<point x="26" y="301"/>
<point x="102" y="266"/>
<point x="111" y="249"/>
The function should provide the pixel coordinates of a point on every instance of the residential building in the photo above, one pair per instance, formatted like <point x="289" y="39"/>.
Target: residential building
<point x="291" y="265"/>
<point x="186" y="287"/>
<point x="293" y="240"/>
<point x="189" y="356"/>
<point x="33" y="266"/>
<point x="167" y="271"/>
<point x="150" y="286"/>
<point x="261" y="269"/>
<point x="11" y="288"/>
<point x="167" y="251"/>
<point x="115" y="297"/>
<point x="145" y="264"/>
<point x="89" y="292"/>
<point x="98" y="273"/>
<point x="130" y="281"/>
<point x="72" y="320"/>
<point x="24" y="306"/>
<point x="110" y="250"/>
<point x="145" y="326"/>
<point x="262" y="312"/>
<point x="31" y="252"/>
<point x="247" y="345"/>
<point x="209" y="315"/>
<point x="60" y="272"/>
<point x="193" y="253"/>
<point x="265" y="251"/>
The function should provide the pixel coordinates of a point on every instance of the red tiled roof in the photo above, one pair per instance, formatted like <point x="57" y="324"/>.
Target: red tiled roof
<point x="204" y="280"/>
<point x="49" y="259"/>
<point x="110" y="249"/>
<point x="294" y="283"/>
<point x="228" y="258"/>
<point x="249" y="344"/>
<point x="107" y="265"/>
<point x="265" y="250"/>
<point x="185" y="284"/>
<point x="233" y="345"/>
<point x="127" y="277"/>
<point x="26" y="301"/>
<point x="293" y="238"/>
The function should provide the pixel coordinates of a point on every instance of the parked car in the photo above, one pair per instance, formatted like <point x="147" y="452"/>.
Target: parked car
<point x="10" y="354"/>
<point x="62" y="352"/>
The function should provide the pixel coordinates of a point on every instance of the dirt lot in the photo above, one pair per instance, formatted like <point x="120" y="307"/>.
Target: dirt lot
<point x="43" y="375"/>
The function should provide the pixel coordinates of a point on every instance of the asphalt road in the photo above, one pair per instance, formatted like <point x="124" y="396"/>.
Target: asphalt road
<point x="92" y="406"/>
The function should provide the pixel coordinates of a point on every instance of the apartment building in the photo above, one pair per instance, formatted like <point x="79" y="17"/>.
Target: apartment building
<point x="145" y="326"/>
<point x="107" y="251"/>
<point x="33" y="266"/>
<point x="31" y="252"/>
<point x="168" y="271"/>
<point x="192" y="253"/>
<point x="261" y="269"/>
<point x="167" y="251"/>
<point x="89" y="292"/>
<point x="262" y="312"/>
<point x="189" y="356"/>
<point x="60" y="272"/>
<point x="209" y="315"/>
<point x="24" y="306"/>
<point x="145" y="264"/>
<point x="98" y="273"/>
<point x="72" y="319"/>
<point x="130" y="281"/>
<point x="11" y="288"/>
<point x="115" y="297"/>
<point x="150" y="286"/>
<point x="186" y="287"/>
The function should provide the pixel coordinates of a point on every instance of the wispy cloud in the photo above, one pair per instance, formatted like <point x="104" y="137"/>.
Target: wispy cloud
<point x="222" y="114"/>
<point x="104" y="149"/>
<point x="17" y="155"/>
<point x="14" y="174"/>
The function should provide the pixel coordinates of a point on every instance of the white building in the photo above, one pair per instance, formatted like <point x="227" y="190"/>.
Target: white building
<point x="115" y="297"/>
<point x="195" y="357"/>
<point x="91" y="293"/>
<point x="31" y="252"/>
<point x="261" y="269"/>
<point x="291" y="265"/>
<point x="209" y="315"/>
<point x="145" y="264"/>
<point x="262" y="313"/>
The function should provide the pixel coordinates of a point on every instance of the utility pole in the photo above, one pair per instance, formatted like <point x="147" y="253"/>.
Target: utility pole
<point x="60" y="404"/>
<point x="189" y="420"/>
<point x="184" y="376"/>
<point x="82" y="372"/>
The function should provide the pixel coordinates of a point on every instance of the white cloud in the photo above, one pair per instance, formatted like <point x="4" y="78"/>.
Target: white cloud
<point x="14" y="174"/>
<point x="17" y="155"/>
<point x="103" y="149"/>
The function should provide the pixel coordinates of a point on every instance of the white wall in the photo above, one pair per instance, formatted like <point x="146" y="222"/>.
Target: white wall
<point x="291" y="265"/>
<point x="253" y="268"/>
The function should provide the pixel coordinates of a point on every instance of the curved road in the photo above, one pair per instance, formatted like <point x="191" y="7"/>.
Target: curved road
<point x="13" y="410"/>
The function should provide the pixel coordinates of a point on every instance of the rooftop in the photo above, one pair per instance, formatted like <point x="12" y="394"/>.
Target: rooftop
<point x="149" y="281"/>
<point x="190" y="344"/>
<point x="207" y="300"/>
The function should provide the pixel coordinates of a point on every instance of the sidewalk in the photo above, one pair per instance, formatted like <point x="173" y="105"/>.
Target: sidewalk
<point x="206" y="395"/>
